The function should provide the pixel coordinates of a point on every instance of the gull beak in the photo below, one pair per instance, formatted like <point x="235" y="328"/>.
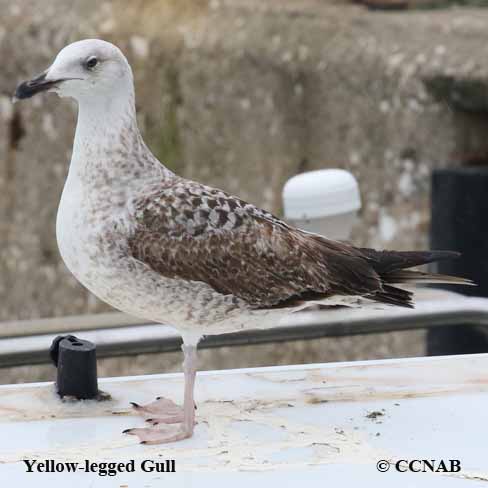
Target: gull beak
<point x="28" y="89"/>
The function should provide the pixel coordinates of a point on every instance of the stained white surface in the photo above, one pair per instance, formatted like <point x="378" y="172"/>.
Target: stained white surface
<point x="280" y="426"/>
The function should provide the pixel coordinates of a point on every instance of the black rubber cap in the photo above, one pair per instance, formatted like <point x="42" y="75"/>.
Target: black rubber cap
<point x="76" y="360"/>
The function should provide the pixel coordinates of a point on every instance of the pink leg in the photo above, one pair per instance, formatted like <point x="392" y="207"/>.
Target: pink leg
<point x="184" y="430"/>
<point x="190" y="371"/>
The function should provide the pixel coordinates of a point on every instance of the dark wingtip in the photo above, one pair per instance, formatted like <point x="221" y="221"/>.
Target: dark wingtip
<point x="441" y="255"/>
<point x="387" y="261"/>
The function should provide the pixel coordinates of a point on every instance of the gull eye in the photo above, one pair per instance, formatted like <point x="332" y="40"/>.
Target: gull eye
<point x="91" y="62"/>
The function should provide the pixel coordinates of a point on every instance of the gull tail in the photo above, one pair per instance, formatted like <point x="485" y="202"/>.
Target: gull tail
<point x="409" y="276"/>
<point x="392" y="266"/>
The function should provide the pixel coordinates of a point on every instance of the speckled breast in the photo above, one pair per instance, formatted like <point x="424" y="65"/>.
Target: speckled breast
<point x="92" y="245"/>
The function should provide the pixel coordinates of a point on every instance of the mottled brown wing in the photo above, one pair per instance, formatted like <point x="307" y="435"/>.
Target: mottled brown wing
<point x="194" y="232"/>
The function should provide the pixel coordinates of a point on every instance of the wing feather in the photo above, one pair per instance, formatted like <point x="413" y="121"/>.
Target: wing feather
<point x="190" y="231"/>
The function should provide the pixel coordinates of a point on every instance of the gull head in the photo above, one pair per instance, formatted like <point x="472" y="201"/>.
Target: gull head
<point x="88" y="70"/>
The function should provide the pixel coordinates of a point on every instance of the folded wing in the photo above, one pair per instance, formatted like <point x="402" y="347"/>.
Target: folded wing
<point x="190" y="231"/>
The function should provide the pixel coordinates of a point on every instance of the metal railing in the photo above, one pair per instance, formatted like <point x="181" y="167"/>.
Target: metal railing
<point x="116" y="334"/>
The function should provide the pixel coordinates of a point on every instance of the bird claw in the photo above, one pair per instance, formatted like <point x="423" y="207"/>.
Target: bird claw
<point x="162" y="415"/>
<point x="170" y="419"/>
<point x="161" y="435"/>
<point x="161" y="407"/>
<point x="163" y="411"/>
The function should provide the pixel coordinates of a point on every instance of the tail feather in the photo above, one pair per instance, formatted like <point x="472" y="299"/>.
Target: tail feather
<point x="394" y="296"/>
<point x="369" y="273"/>
<point x="410" y="276"/>
<point x="391" y="267"/>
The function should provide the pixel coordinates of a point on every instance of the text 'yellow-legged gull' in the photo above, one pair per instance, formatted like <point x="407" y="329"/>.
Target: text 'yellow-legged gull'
<point x="174" y="251"/>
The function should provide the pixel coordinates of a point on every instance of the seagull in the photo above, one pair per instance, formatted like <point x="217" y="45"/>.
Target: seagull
<point x="170" y="250"/>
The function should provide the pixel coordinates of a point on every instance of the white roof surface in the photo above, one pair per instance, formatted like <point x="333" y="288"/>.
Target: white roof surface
<point x="281" y="426"/>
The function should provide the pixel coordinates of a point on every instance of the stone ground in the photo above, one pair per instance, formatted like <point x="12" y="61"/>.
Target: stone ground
<point x="243" y="94"/>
